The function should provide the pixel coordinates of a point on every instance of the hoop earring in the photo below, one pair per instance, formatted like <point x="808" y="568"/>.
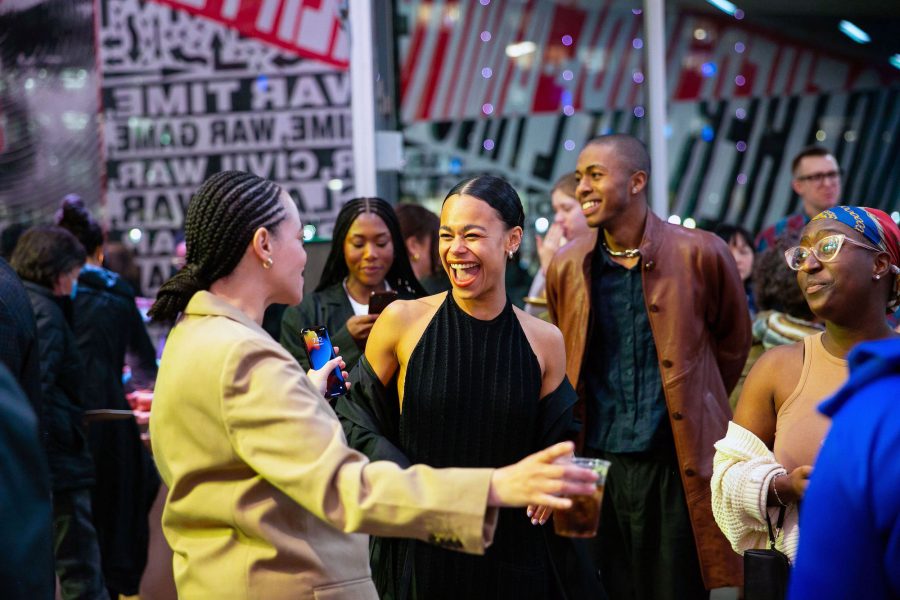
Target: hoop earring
<point x="267" y="264"/>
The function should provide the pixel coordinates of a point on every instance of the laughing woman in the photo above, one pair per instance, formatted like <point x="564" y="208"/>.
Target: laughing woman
<point x="848" y="268"/>
<point x="264" y="493"/>
<point x="367" y="255"/>
<point x="463" y="378"/>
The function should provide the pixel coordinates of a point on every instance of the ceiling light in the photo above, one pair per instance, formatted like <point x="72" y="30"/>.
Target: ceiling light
<point x="854" y="33"/>
<point x="520" y="49"/>
<point x="724" y="5"/>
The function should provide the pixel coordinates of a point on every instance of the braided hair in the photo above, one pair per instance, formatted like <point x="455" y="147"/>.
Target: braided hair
<point x="400" y="274"/>
<point x="74" y="216"/>
<point x="222" y="218"/>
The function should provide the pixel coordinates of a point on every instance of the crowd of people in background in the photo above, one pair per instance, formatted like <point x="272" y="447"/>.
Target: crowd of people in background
<point x="715" y="371"/>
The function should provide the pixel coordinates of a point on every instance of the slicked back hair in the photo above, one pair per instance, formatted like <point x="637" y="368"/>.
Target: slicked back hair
<point x="222" y="217"/>
<point x="45" y="252"/>
<point x="400" y="274"/>
<point x="497" y="193"/>
<point x="631" y="150"/>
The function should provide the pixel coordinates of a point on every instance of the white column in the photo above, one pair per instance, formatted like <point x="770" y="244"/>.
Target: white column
<point x="655" y="33"/>
<point x="362" y="87"/>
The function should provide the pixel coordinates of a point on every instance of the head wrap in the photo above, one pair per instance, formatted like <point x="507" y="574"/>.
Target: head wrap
<point x="880" y="230"/>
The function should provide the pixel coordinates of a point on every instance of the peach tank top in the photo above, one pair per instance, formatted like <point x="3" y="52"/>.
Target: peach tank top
<point x="799" y="427"/>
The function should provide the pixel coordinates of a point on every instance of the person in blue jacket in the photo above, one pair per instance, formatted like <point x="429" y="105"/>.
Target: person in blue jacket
<point x="850" y="547"/>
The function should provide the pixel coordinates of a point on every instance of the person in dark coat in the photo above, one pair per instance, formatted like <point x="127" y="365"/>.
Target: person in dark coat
<point x="367" y="255"/>
<point x="26" y="529"/>
<point x="18" y="336"/>
<point x="108" y="325"/>
<point x="49" y="259"/>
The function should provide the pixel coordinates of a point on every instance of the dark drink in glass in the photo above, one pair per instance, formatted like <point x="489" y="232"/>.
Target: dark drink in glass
<point x="582" y="519"/>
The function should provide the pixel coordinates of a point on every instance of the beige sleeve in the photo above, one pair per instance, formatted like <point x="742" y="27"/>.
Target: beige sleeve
<point x="283" y="429"/>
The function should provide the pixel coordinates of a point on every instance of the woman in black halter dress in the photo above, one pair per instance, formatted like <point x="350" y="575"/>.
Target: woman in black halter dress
<point x="464" y="379"/>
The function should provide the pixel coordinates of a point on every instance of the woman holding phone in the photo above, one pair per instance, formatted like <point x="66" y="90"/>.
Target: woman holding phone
<point x="464" y="379"/>
<point x="264" y="493"/>
<point x="367" y="257"/>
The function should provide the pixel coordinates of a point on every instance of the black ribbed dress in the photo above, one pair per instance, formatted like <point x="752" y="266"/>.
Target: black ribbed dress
<point x="471" y="399"/>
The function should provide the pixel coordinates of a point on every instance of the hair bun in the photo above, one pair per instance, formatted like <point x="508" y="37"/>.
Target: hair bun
<point x="73" y="212"/>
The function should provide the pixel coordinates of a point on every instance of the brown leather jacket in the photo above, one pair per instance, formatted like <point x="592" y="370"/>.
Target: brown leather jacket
<point x="701" y="326"/>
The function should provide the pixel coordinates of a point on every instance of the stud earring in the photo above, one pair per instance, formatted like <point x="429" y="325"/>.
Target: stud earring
<point x="876" y="277"/>
<point x="509" y="253"/>
<point x="267" y="264"/>
<point x="415" y="257"/>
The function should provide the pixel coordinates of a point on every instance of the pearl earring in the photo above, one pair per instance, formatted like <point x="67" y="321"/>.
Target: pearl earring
<point x="509" y="253"/>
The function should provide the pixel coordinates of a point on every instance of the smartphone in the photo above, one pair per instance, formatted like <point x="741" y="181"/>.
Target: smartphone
<point x="320" y="350"/>
<point x="378" y="301"/>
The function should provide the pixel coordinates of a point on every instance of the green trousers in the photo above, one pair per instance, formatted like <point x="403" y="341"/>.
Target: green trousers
<point x="645" y="547"/>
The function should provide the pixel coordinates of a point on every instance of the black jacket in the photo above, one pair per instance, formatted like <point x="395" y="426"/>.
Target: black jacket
<point x="18" y="336"/>
<point x="108" y="326"/>
<point x="62" y="375"/>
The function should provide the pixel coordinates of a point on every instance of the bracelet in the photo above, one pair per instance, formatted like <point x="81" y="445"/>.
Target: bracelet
<point x="775" y="490"/>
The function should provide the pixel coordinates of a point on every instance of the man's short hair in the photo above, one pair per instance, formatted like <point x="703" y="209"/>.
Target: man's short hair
<point x="808" y="151"/>
<point x="567" y="184"/>
<point x="632" y="150"/>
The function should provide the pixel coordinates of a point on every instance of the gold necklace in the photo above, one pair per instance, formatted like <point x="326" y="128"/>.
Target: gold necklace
<point x="627" y="253"/>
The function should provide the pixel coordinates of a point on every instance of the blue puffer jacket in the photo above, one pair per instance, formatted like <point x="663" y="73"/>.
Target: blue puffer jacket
<point x="850" y="517"/>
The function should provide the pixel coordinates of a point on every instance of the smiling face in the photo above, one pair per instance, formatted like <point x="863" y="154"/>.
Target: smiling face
<point x="368" y="250"/>
<point x="474" y="242"/>
<point x="567" y="213"/>
<point x="845" y="283"/>
<point x="605" y="185"/>
<point x="288" y="256"/>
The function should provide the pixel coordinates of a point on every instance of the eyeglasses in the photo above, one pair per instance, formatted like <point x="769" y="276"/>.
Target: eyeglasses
<point x="825" y="250"/>
<point x="819" y="178"/>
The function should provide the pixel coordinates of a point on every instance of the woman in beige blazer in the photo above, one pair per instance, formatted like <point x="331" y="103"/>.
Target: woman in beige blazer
<point x="265" y="498"/>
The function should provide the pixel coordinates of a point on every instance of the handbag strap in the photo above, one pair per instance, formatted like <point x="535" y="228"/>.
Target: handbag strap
<point x="778" y="525"/>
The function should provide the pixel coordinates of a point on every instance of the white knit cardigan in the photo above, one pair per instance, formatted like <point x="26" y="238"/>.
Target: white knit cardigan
<point x="743" y="467"/>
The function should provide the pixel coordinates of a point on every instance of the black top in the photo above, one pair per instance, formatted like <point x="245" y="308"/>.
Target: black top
<point x="623" y="377"/>
<point x="471" y="399"/>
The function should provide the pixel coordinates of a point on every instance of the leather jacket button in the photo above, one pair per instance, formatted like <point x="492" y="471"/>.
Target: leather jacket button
<point x="648" y="266"/>
<point x="667" y="363"/>
<point x="690" y="472"/>
<point x="677" y="416"/>
<point x="654" y="308"/>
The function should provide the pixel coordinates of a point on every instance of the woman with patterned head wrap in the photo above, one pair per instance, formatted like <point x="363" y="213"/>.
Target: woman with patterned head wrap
<point x="848" y="268"/>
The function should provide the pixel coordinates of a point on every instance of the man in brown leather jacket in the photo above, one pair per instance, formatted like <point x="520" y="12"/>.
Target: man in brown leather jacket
<point x="657" y="330"/>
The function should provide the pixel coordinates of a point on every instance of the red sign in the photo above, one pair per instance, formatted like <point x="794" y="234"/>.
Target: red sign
<point x="309" y="28"/>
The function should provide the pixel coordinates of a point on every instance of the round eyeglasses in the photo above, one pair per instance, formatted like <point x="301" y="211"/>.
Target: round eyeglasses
<point x="825" y="250"/>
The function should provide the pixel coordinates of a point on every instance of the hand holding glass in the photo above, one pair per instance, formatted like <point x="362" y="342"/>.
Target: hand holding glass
<point x="583" y="518"/>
